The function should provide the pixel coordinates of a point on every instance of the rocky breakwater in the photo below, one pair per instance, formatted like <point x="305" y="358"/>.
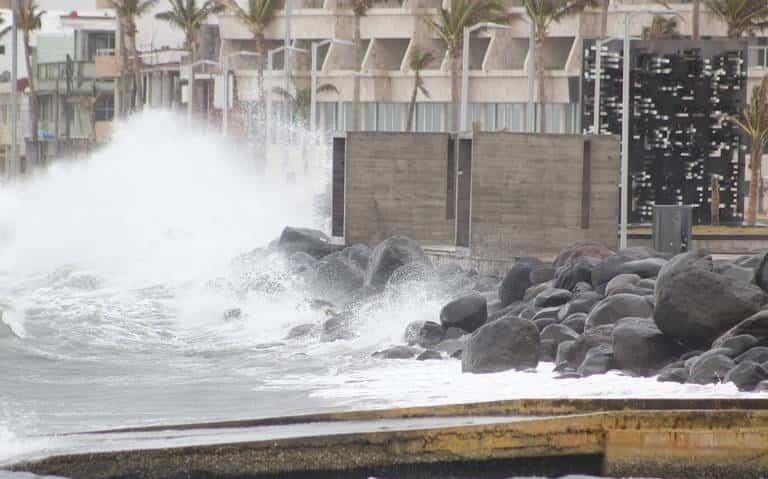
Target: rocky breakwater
<point x="687" y="318"/>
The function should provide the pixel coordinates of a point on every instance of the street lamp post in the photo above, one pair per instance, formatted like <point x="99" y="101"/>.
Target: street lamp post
<point x="465" y="68"/>
<point x="530" y="114"/>
<point x="313" y="78"/>
<point x="225" y="116"/>
<point x="14" y="157"/>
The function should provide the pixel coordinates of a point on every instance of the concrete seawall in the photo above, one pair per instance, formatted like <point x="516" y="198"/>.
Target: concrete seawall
<point x="658" y="438"/>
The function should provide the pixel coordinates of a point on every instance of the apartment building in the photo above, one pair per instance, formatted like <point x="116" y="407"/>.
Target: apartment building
<point x="498" y="66"/>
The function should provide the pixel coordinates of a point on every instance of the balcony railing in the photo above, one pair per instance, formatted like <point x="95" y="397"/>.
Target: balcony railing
<point x="78" y="76"/>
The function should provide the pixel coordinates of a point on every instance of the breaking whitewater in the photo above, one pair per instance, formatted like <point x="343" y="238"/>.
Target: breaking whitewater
<point x="144" y="285"/>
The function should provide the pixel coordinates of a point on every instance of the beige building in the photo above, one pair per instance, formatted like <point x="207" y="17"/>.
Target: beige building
<point x="499" y="59"/>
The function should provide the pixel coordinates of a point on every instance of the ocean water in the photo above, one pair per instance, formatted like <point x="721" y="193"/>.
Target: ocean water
<point x="116" y="272"/>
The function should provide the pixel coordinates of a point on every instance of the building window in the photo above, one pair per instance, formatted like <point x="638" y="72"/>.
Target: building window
<point x="510" y="116"/>
<point x="2" y="49"/>
<point x="391" y="116"/>
<point x="758" y="56"/>
<point x="99" y="41"/>
<point x="104" y="110"/>
<point x="429" y="117"/>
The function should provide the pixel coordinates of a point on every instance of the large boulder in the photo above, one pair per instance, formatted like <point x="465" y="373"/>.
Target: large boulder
<point x="606" y="270"/>
<point x="541" y="273"/>
<point x="598" y="360"/>
<point x="592" y="249"/>
<point x="388" y="256"/>
<point x="734" y="271"/>
<point x="336" y="277"/>
<point x="575" y="322"/>
<point x="613" y="308"/>
<point x="645" y="268"/>
<point x="627" y="284"/>
<point x="467" y="312"/>
<point x="580" y="303"/>
<point x="358" y="254"/>
<point x="570" y="354"/>
<point x="746" y="375"/>
<point x="501" y="345"/>
<point x="397" y="352"/>
<point x="695" y="305"/>
<point x="313" y="242"/>
<point x="640" y="348"/>
<point x="711" y="369"/>
<point x="758" y="354"/>
<point x="739" y="344"/>
<point x="517" y="280"/>
<point x="761" y="270"/>
<point x="558" y="333"/>
<point x="755" y="326"/>
<point x="552" y="297"/>
<point x="572" y="273"/>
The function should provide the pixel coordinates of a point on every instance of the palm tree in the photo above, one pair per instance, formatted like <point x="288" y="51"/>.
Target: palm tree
<point x="128" y="11"/>
<point x="359" y="8"/>
<point x="754" y="122"/>
<point x="543" y="13"/>
<point x="300" y="102"/>
<point x="696" y="19"/>
<point x="418" y="61"/>
<point x="188" y="17"/>
<point x="661" y="27"/>
<point x="741" y="16"/>
<point x="256" y="17"/>
<point x="449" y="26"/>
<point x="28" y="20"/>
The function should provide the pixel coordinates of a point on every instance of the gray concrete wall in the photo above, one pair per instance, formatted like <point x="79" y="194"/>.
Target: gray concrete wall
<point x="396" y="183"/>
<point x="528" y="193"/>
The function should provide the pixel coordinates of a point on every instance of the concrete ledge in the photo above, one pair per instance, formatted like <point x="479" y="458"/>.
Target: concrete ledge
<point x="627" y="437"/>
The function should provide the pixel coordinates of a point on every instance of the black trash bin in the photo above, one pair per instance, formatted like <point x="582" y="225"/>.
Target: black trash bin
<point x="672" y="228"/>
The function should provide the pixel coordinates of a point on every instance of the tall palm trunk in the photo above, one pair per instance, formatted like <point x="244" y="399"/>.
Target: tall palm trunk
<point x="192" y="47"/>
<point x="696" y="19"/>
<point x="540" y="78"/>
<point x="755" y="164"/>
<point x="262" y="50"/>
<point x="135" y="67"/>
<point x="123" y="81"/>
<point x="455" y="63"/>
<point x="356" y="126"/>
<point x="754" y="182"/>
<point x="412" y="106"/>
<point x="33" y="113"/>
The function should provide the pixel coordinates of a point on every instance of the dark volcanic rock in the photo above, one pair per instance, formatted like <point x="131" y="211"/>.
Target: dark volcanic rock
<point x="547" y="351"/>
<point x="358" y="254"/>
<point x="592" y="249"/>
<point x="626" y="284"/>
<point x="758" y="354"/>
<point x="430" y="334"/>
<point x="429" y="354"/>
<point x="542" y="323"/>
<point x="571" y="354"/>
<point x="640" y="347"/>
<point x="674" y="375"/>
<point x="606" y="270"/>
<point x="467" y="312"/>
<point x="761" y="271"/>
<point x="304" y="330"/>
<point x="645" y="268"/>
<point x="739" y="344"/>
<point x="711" y="369"/>
<point x="517" y="280"/>
<point x="581" y="303"/>
<point x="734" y="271"/>
<point x="558" y="333"/>
<point x="547" y="313"/>
<point x="746" y="375"/>
<point x="541" y="273"/>
<point x="501" y="345"/>
<point x="336" y="277"/>
<point x="582" y="287"/>
<point x="338" y="327"/>
<point x="450" y="346"/>
<point x="397" y="352"/>
<point x="552" y="297"/>
<point x="695" y="305"/>
<point x="575" y="272"/>
<point x="598" y="360"/>
<point x="575" y="322"/>
<point x="755" y="326"/>
<point x="313" y="242"/>
<point x="388" y="256"/>
<point x="534" y="291"/>
<point x="613" y="308"/>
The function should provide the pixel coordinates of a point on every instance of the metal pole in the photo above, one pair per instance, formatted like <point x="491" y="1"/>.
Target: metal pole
<point x="14" y="157"/>
<point x="190" y="92"/>
<point x="268" y="122"/>
<point x="598" y="78"/>
<point x="313" y="90"/>
<point x="531" y="113"/>
<point x="225" y="118"/>
<point x="625" y="139"/>
<point x="464" y="81"/>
